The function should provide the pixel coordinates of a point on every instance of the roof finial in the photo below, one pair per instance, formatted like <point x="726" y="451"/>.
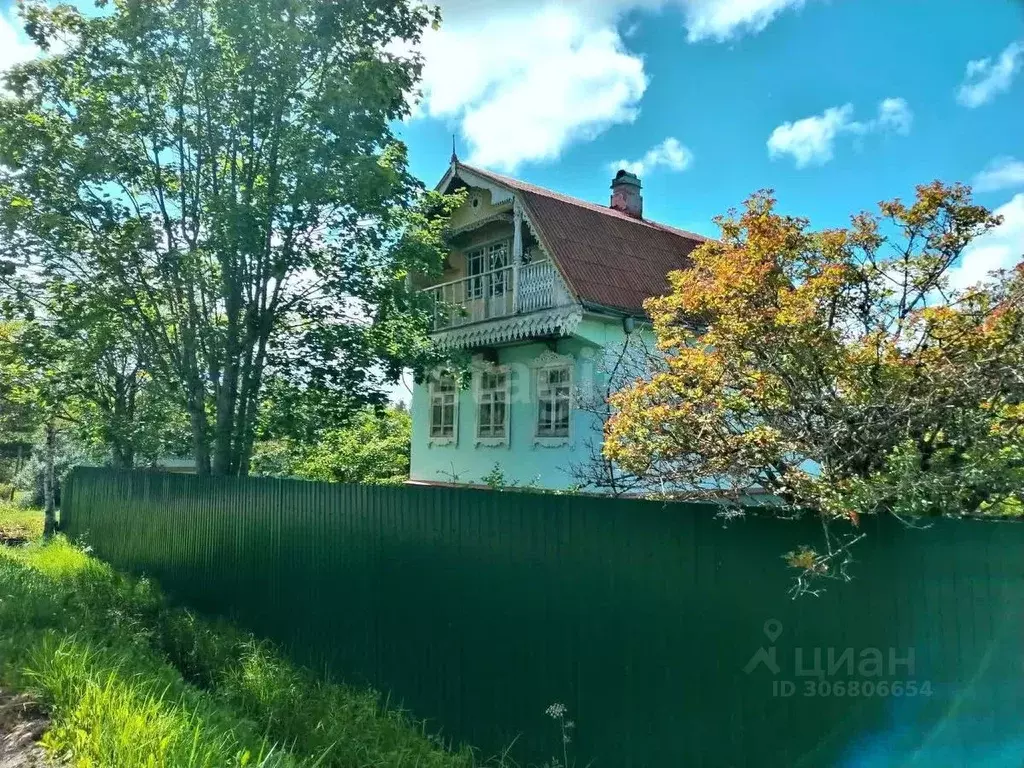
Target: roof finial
<point x="455" y="157"/>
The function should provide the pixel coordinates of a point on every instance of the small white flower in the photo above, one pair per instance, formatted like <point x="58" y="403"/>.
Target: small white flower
<point x="556" y="710"/>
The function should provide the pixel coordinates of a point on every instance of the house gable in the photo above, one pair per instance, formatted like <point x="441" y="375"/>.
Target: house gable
<point x="498" y="271"/>
<point x="608" y="258"/>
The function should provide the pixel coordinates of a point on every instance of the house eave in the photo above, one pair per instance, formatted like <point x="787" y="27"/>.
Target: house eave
<point x="558" y="321"/>
<point x="500" y="193"/>
<point x="606" y="310"/>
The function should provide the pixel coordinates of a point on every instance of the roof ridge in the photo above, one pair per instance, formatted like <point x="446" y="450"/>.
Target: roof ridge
<point x="524" y="186"/>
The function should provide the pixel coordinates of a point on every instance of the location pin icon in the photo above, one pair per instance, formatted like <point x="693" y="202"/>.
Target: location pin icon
<point x="772" y="629"/>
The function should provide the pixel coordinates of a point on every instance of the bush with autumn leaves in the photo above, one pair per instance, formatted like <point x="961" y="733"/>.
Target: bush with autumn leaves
<point x="839" y="371"/>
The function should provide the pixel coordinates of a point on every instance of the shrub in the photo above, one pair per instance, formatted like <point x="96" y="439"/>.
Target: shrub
<point x="68" y="456"/>
<point x="373" y="448"/>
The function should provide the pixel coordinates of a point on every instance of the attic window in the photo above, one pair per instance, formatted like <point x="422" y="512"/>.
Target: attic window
<point x="476" y="202"/>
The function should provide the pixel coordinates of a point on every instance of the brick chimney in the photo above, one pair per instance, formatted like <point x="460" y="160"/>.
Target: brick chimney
<point x="626" y="195"/>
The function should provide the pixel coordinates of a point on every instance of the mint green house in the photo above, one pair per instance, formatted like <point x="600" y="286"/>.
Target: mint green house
<point x="545" y="292"/>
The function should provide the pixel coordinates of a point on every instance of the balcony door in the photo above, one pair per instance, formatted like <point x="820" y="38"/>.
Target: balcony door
<point x="489" y="288"/>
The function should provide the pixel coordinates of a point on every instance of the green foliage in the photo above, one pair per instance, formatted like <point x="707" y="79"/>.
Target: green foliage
<point x="131" y="682"/>
<point x="67" y="456"/>
<point x="299" y="413"/>
<point x="496" y="479"/>
<point x="274" y="458"/>
<point x="28" y="390"/>
<point x="109" y="718"/>
<point x="68" y="359"/>
<point x="372" y="448"/>
<point x="215" y="191"/>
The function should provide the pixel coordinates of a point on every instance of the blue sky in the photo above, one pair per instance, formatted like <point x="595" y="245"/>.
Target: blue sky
<point x="835" y="104"/>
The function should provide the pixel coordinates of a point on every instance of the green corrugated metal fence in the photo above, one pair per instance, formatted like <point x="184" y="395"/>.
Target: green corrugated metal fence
<point x="668" y="635"/>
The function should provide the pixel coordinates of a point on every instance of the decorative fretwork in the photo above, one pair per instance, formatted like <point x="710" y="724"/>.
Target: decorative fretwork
<point x="562" y="321"/>
<point x="498" y="293"/>
<point x="540" y="287"/>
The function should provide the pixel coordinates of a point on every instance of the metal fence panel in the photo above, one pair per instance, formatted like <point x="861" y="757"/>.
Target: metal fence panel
<point x="668" y="635"/>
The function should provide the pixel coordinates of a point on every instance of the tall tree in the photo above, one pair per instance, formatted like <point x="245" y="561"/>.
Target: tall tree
<point x="836" y="370"/>
<point x="19" y="419"/>
<point x="109" y="400"/>
<point x="223" y="176"/>
<point x="32" y="381"/>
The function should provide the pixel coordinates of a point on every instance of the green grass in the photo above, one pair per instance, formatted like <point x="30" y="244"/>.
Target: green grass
<point x="17" y="524"/>
<point x="130" y="681"/>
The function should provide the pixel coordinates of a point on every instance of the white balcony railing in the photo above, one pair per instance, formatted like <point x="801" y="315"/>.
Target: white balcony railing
<point x="495" y="294"/>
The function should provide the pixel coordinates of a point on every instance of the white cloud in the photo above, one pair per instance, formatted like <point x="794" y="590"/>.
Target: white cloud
<point x="723" y="19"/>
<point x="1000" y="173"/>
<point x="15" y="47"/>
<point x="524" y="79"/>
<point x="985" y="79"/>
<point x="895" y="115"/>
<point x="524" y="86"/>
<point x="669" y="154"/>
<point x="811" y="140"/>
<point x="1001" y="248"/>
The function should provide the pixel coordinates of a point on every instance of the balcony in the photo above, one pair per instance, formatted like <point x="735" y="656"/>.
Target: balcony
<point x="503" y="292"/>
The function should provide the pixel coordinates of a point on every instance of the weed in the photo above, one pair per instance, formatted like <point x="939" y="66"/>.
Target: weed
<point x="558" y="713"/>
<point x="130" y="681"/>
<point x="18" y="525"/>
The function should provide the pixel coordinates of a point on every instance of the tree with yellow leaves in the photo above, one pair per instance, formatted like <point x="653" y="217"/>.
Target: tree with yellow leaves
<point x="837" y="371"/>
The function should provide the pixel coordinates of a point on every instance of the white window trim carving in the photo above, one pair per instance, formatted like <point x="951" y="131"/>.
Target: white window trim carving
<point x="452" y="439"/>
<point x="546" y="361"/>
<point x="480" y="369"/>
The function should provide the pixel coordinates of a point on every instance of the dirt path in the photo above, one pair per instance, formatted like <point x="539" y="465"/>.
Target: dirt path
<point x="22" y="724"/>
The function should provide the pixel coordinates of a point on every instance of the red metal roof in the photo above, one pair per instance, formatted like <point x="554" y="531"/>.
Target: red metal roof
<point x="608" y="257"/>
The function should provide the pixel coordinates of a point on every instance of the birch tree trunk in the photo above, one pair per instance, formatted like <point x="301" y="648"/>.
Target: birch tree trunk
<point x="49" y="481"/>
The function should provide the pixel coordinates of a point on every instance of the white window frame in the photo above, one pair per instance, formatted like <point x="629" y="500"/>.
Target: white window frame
<point x="490" y="397"/>
<point x="478" y="286"/>
<point x="434" y="392"/>
<point x="475" y="286"/>
<point x="549" y="361"/>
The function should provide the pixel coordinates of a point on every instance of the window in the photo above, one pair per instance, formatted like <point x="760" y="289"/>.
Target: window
<point x="475" y="261"/>
<point x="481" y="263"/>
<point x="444" y="409"/>
<point x="492" y="407"/>
<point x="554" y="387"/>
<point x="497" y="259"/>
